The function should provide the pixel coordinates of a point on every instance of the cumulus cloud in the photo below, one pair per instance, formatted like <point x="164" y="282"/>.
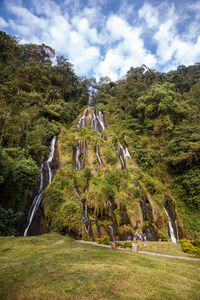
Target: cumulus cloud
<point x="173" y="47"/>
<point x="106" y="43"/>
<point x="127" y="50"/>
<point x="3" y="23"/>
<point x="149" y="14"/>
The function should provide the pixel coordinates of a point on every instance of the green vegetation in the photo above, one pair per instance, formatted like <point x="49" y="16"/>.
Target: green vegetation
<point x="55" y="267"/>
<point x="37" y="98"/>
<point x="192" y="248"/>
<point x="104" y="241"/>
<point x="157" y="116"/>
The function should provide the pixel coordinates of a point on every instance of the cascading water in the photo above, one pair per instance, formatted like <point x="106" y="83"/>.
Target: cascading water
<point x="49" y="160"/>
<point x="126" y="153"/>
<point x="171" y="229"/>
<point x="98" y="122"/>
<point x="82" y="121"/>
<point x="98" y="156"/>
<point x="79" y="156"/>
<point x="121" y="157"/>
<point x="79" y="164"/>
<point x="100" y="118"/>
<point x="38" y="199"/>
<point x="111" y="233"/>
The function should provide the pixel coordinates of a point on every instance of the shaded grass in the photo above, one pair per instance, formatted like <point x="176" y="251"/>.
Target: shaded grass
<point x="55" y="267"/>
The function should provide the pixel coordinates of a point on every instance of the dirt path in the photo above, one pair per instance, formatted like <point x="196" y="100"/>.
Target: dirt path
<point x="144" y="252"/>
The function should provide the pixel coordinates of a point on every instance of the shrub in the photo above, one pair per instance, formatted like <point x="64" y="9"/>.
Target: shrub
<point x="87" y="238"/>
<point x="8" y="218"/>
<point x="196" y="243"/>
<point x="151" y="187"/>
<point x="187" y="247"/>
<point x="110" y="156"/>
<point x="124" y="245"/>
<point x="104" y="240"/>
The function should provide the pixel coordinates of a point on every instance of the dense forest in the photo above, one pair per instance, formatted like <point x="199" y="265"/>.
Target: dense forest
<point x="155" y="114"/>
<point x="36" y="97"/>
<point x="158" y="116"/>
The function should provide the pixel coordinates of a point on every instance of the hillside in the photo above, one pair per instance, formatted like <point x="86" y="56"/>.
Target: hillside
<point x="129" y="162"/>
<point x="37" y="97"/>
<point x="100" y="181"/>
<point x="55" y="267"/>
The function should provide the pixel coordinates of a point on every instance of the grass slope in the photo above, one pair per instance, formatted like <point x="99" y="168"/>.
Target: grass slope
<point x="56" y="267"/>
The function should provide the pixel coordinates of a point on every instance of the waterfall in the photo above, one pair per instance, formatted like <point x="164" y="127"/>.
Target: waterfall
<point x="49" y="160"/>
<point x="82" y="121"/>
<point x="122" y="162"/>
<point x="121" y="157"/>
<point x="38" y="199"/>
<point x="111" y="231"/>
<point x="79" y="156"/>
<point x="94" y="122"/>
<point x="126" y="153"/>
<point x="98" y="156"/>
<point x="100" y="118"/>
<point x="98" y="122"/>
<point x="171" y="229"/>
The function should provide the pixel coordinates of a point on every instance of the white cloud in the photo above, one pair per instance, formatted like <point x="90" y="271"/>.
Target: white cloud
<point x="149" y="14"/>
<point x="173" y="48"/>
<point x="98" y="42"/>
<point x="128" y="50"/>
<point x="3" y="23"/>
<point x="126" y="10"/>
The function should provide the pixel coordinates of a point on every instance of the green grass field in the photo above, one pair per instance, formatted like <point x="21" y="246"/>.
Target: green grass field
<point x="55" y="267"/>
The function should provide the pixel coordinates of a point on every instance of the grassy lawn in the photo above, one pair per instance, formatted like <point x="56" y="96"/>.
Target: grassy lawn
<point x="55" y="267"/>
<point x="168" y="248"/>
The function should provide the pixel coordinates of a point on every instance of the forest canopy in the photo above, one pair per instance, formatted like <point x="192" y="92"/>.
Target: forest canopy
<point x="156" y="114"/>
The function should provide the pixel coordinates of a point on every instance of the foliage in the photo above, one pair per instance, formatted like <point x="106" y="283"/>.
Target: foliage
<point x="104" y="240"/>
<point x="190" y="248"/>
<point x="8" y="218"/>
<point x="157" y="115"/>
<point x="124" y="245"/>
<point x="36" y="98"/>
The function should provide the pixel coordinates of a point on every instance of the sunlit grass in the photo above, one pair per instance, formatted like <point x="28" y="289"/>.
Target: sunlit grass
<point x="55" y="267"/>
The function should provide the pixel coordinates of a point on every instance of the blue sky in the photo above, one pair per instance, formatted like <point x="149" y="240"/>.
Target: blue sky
<point x="106" y="38"/>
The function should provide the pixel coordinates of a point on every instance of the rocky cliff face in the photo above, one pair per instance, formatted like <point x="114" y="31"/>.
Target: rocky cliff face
<point x="99" y="190"/>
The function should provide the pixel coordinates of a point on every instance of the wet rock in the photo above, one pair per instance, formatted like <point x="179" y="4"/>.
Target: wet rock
<point x="151" y="234"/>
<point x="124" y="217"/>
<point x="101" y="230"/>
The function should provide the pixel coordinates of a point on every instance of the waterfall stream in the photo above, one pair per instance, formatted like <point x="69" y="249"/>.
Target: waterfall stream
<point x="82" y="121"/>
<point x="38" y="198"/>
<point x="49" y="160"/>
<point x="121" y="157"/>
<point x="98" y="156"/>
<point x="171" y="229"/>
<point x="123" y="153"/>
<point x="79" y="164"/>
<point x="79" y="156"/>
<point x="111" y="231"/>
<point x="98" y="122"/>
